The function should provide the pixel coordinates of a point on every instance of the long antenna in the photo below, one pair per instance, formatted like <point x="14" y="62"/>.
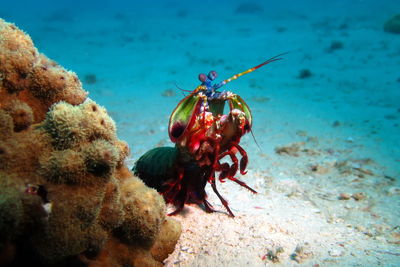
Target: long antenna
<point x="234" y="77"/>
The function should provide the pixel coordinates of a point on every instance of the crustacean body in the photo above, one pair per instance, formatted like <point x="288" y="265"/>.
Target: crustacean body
<point x="203" y="137"/>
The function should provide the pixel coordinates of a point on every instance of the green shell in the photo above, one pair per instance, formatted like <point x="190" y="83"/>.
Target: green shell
<point x="182" y="115"/>
<point x="156" y="166"/>
<point x="238" y="103"/>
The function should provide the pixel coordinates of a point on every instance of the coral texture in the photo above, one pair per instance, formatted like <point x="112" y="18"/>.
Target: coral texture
<point x="66" y="197"/>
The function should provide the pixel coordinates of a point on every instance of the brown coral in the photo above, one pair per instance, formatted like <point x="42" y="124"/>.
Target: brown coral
<point x="66" y="196"/>
<point x="148" y="217"/>
<point x="31" y="77"/>
<point x="21" y="113"/>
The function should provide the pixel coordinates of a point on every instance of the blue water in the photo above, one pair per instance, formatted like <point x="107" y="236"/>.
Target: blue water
<point x="141" y="52"/>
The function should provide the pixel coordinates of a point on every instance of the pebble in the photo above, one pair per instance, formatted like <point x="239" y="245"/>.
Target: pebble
<point x="301" y="253"/>
<point x="335" y="253"/>
<point x="380" y="238"/>
<point x="361" y="228"/>
<point x="316" y="210"/>
<point x="319" y="169"/>
<point x="394" y="191"/>
<point x="344" y="196"/>
<point x="358" y="196"/>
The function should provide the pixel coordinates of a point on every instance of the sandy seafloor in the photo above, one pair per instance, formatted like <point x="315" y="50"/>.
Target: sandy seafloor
<point x="338" y="130"/>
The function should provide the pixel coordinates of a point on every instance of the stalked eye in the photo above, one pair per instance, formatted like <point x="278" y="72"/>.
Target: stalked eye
<point x="212" y="75"/>
<point x="202" y="77"/>
<point x="177" y="129"/>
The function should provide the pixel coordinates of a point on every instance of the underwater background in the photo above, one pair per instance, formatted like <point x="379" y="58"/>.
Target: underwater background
<point x="326" y="117"/>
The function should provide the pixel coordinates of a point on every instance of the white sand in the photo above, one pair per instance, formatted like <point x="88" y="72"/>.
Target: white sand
<point x="303" y="217"/>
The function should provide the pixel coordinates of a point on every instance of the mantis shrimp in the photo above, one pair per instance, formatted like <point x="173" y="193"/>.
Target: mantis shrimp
<point x="203" y="136"/>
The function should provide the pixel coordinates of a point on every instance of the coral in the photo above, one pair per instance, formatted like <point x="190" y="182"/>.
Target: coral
<point x="21" y="114"/>
<point x="148" y="216"/>
<point x="392" y="25"/>
<point x="66" y="196"/>
<point x="6" y="125"/>
<point x="31" y="77"/>
<point x="165" y="244"/>
<point x="10" y="209"/>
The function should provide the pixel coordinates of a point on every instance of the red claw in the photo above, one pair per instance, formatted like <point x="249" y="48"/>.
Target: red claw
<point x="224" y="168"/>
<point x="243" y="165"/>
<point x="243" y="161"/>
<point x="233" y="170"/>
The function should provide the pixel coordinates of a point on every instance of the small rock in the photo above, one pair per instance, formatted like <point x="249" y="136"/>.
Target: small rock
<point x="316" y="210"/>
<point x="394" y="191"/>
<point x="280" y="29"/>
<point x="335" y="45"/>
<point x="273" y="254"/>
<point x="301" y="133"/>
<point x="394" y="238"/>
<point x="319" y="169"/>
<point x="361" y="228"/>
<point x="90" y="78"/>
<point x="249" y="8"/>
<point x="358" y="196"/>
<point x="363" y="171"/>
<point x="292" y="149"/>
<point x="301" y="253"/>
<point x="392" y="25"/>
<point x="390" y="117"/>
<point x="304" y="74"/>
<point x="348" y="207"/>
<point x="344" y="196"/>
<point x="335" y="253"/>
